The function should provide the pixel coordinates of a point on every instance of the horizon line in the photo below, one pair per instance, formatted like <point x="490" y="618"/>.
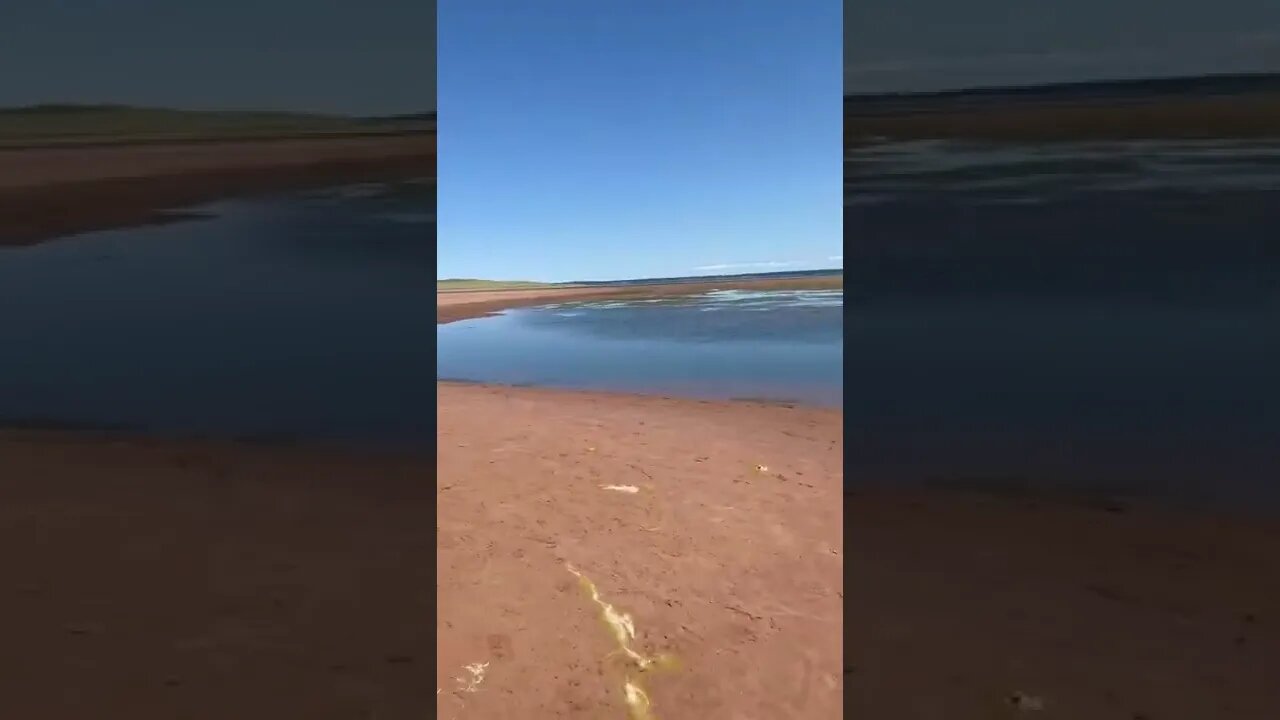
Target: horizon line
<point x="1106" y="80"/>
<point x="830" y="271"/>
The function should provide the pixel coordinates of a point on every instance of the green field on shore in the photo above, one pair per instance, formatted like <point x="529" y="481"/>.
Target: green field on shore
<point x="54" y="125"/>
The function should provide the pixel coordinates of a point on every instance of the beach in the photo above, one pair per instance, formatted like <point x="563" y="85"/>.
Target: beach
<point x="998" y="573"/>
<point x="209" y="580"/>
<point x="715" y="526"/>
<point x="172" y="579"/>
<point x="967" y="605"/>
<point x="962" y="604"/>
<point x="200" y="578"/>
<point x="214" y="579"/>
<point x="49" y="192"/>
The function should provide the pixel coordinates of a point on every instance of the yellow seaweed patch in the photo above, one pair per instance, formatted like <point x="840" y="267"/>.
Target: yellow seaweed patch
<point x="477" y="671"/>
<point x="637" y="701"/>
<point x="623" y="629"/>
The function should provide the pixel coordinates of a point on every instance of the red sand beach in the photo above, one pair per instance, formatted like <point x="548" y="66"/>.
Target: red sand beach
<point x="726" y="553"/>
<point x="48" y="192"/>
<point x="960" y="605"/>
<point x="212" y="580"/>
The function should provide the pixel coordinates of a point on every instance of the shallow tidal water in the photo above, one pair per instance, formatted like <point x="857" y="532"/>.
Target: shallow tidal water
<point x="782" y="346"/>
<point x="1095" y="317"/>
<point x="310" y="316"/>
<point x="302" y="315"/>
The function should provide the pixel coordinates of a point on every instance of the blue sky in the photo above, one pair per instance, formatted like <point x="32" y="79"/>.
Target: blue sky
<point x="939" y="44"/>
<point x="359" y="58"/>
<point x="581" y="139"/>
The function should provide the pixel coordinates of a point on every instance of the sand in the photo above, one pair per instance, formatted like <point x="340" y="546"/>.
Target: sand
<point x="732" y="569"/>
<point x="716" y="526"/>
<point x="959" y="602"/>
<point x="46" y="193"/>
<point x="200" y="580"/>
<point x="961" y="605"/>
<point x="212" y="580"/>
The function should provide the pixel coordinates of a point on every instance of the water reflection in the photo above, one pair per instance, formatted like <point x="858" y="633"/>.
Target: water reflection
<point x="303" y="315"/>
<point x="1090" y="314"/>
<point x="731" y="344"/>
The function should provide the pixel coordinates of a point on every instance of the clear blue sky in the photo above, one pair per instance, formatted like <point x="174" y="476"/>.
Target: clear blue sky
<point x="341" y="57"/>
<point x="939" y="44"/>
<point x="581" y="139"/>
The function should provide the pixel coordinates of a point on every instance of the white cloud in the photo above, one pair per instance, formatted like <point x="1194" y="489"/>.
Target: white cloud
<point x="836" y="258"/>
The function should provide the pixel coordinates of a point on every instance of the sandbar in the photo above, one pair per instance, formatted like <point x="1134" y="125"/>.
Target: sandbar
<point x="51" y="192"/>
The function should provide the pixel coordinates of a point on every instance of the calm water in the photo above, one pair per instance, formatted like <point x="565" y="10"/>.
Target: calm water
<point x="784" y="345"/>
<point x="311" y="315"/>
<point x="300" y="315"/>
<point x="1101" y="316"/>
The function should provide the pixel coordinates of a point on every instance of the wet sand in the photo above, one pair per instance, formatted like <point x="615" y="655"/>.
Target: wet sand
<point x="721" y="540"/>
<point x="46" y="193"/>
<point x="214" y="580"/>
<point x="203" y="580"/>
<point x="961" y="604"/>
<point x="733" y="571"/>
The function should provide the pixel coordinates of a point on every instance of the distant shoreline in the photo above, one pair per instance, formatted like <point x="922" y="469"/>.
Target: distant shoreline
<point x="182" y="139"/>
<point x="1222" y="107"/>
<point x="52" y="192"/>
<point x="1173" y="119"/>
<point x="455" y="305"/>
